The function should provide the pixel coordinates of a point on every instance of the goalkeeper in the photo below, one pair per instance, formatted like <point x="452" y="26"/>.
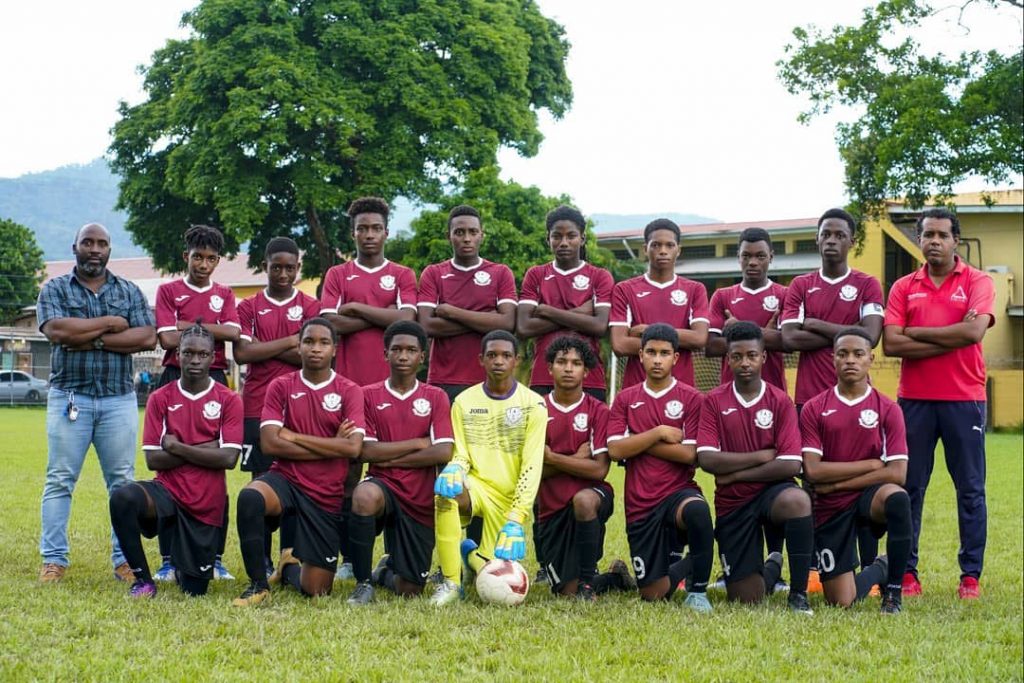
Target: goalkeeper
<point x="495" y="469"/>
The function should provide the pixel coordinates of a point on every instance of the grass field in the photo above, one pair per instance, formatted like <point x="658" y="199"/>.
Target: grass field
<point x="86" y="628"/>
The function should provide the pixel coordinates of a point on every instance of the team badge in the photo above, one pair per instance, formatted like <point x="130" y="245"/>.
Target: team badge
<point x="868" y="419"/>
<point x="581" y="282"/>
<point x="848" y="293"/>
<point x="211" y="410"/>
<point x="579" y="423"/>
<point x="764" y="419"/>
<point x="387" y="282"/>
<point x="482" y="278"/>
<point x="513" y="416"/>
<point x="674" y="410"/>
<point x="295" y="313"/>
<point x="216" y="303"/>
<point x="331" y="402"/>
<point x="421" y="407"/>
<point x="959" y="296"/>
<point x="679" y="297"/>
<point x="770" y="303"/>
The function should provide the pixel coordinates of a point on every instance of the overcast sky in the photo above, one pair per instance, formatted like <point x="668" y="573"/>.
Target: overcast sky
<point x="677" y="105"/>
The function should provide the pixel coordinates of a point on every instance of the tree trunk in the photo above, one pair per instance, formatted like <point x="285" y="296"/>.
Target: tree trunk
<point x="324" y="250"/>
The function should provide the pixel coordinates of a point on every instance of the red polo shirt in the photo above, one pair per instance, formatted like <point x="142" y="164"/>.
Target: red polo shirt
<point x="915" y="301"/>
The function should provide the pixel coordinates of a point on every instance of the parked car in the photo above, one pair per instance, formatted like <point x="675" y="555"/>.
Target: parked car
<point x="16" y="385"/>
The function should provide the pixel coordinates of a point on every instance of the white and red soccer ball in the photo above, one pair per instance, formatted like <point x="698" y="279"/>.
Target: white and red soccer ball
<point x="502" y="582"/>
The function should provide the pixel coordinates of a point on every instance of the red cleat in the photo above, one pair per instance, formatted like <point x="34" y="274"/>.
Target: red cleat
<point x="969" y="588"/>
<point x="911" y="586"/>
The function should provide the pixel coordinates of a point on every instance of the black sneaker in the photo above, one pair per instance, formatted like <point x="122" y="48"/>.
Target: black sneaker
<point x="586" y="593"/>
<point x="622" y="569"/>
<point x="798" y="603"/>
<point x="378" y="571"/>
<point x="362" y="595"/>
<point x="542" y="577"/>
<point x="892" y="601"/>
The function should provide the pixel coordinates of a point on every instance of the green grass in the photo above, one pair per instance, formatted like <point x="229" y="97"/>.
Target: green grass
<point x="87" y="629"/>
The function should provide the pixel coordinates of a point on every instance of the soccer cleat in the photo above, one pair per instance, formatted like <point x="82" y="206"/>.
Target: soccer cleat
<point x="586" y="593"/>
<point x="378" y="571"/>
<point x="798" y="603"/>
<point x="344" y="572"/>
<point x="165" y="573"/>
<point x="718" y="584"/>
<point x="698" y="602"/>
<point x="254" y="595"/>
<point x="437" y="577"/>
<point x="445" y="593"/>
<point x="465" y="549"/>
<point x="622" y="569"/>
<point x="143" y="589"/>
<point x="875" y="591"/>
<point x="123" y="572"/>
<point x="911" y="585"/>
<point x="362" y="595"/>
<point x="542" y="577"/>
<point x="51" y="572"/>
<point x="892" y="602"/>
<point x="220" y="572"/>
<point x="814" y="582"/>
<point x="780" y="587"/>
<point x="969" y="589"/>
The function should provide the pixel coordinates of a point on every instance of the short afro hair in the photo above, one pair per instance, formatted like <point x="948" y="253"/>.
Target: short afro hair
<point x="851" y="223"/>
<point x="571" y="342"/>
<point x="854" y="332"/>
<point x="322" y="322"/>
<point x="660" y="332"/>
<point x="751" y="235"/>
<point x="368" y="205"/>
<point x="744" y="331"/>
<point x="565" y="213"/>
<point x="463" y="210"/>
<point x="409" y="327"/>
<point x="499" y="335"/>
<point x="939" y="213"/>
<point x="204" y="237"/>
<point x="281" y="245"/>
<point x="660" y="224"/>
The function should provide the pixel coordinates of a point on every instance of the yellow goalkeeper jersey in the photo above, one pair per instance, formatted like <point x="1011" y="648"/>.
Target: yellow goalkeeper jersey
<point x="500" y="442"/>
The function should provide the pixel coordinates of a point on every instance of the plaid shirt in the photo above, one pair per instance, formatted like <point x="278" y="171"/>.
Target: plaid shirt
<point x="94" y="372"/>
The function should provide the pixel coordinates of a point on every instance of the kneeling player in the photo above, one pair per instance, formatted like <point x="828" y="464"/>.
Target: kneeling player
<point x="495" y="470"/>
<point x="574" y="501"/>
<point x="855" y="456"/>
<point x="653" y="428"/>
<point x="749" y="439"/>
<point x="312" y="425"/>
<point x="408" y="434"/>
<point x="192" y="433"/>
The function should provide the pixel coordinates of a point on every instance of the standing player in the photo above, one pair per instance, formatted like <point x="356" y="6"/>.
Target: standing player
<point x="312" y="427"/>
<point x="408" y="434"/>
<point x="495" y="469"/>
<point x="936" y="320"/>
<point x="659" y="296"/>
<point x="192" y="434"/>
<point x="566" y="295"/>
<point x="269" y="345"/>
<point x="179" y="304"/>
<point x="653" y="428"/>
<point x="855" y="456"/>
<point x="750" y="440"/>
<point x="361" y="298"/>
<point x="460" y="301"/>
<point x="574" y="501"/>
<point x="818" y="305"/>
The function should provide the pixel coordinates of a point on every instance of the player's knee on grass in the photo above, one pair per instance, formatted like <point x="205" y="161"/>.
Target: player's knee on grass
<point x="585" y="505"/>
<point x="840" y="591"/>
<point x="407" y="589"/>
<point x="656" y="590"/>
<point x="367" y="500"/>
<point x="791" y="504"/>
<point x="192" y="586"/>
<point x="748" y="590"/>
<point x="316" y="581"/>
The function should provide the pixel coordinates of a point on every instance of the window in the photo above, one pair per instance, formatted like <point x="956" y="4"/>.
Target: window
<point x="732" y="250"/>
<point x="779" y="248"/>
<point x="5" y="377"/>
<point x="805" y="247"/>
<point x="703" y="251"/>
<point x="19" y="377"/>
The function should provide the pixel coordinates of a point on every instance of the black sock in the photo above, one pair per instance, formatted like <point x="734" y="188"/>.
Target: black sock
<point x="602" y="583"/>
<point x="268" y="546"/>
<point x="191" y="585"/>
<point x="288" y="524"/>
<point x="251" y="524"/>
<point x="897" y="544"/>
<point x="361" y="535"/>
<point x="291" y="575"/>
<point x="346" y="514"/>
<point x="773" y="538"/>
<point x="536" y="535"/>
<point x="127" y="508"/>
<point x="222" y="540"/>
<point x="387" y="579"/>
<point x="679" y="570"/>
<point x="868" y="577"/>
<point x="867" y="545"/>
<point x="770" y="574"/>
<point x="800" y="544"/>
<point x="701" y="538"/>
<point x="588" y="542"/>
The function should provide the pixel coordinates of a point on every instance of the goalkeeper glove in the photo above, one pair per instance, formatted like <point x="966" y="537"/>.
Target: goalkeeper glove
<point x="451" y="481"/>
<point x="511" y="543"/>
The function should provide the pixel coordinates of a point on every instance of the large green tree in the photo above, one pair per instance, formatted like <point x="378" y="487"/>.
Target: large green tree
<point x="272" y="116"/>
<point x="925" y="122"/>
<point x="22" y="268"/>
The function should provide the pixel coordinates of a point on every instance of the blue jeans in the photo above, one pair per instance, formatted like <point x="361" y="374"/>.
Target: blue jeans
<point x="111" y="424"/>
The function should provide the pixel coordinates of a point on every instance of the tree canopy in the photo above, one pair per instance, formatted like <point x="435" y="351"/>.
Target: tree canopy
<point x="271" y="117"/>
<point x="927" y="122"/>
<point x="23" y="268"/>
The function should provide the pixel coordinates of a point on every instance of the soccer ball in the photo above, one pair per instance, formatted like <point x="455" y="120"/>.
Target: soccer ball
<point x="502" y="582"/>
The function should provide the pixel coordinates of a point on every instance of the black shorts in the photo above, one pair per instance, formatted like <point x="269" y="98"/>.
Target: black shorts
<point x="317" y="533"/>
<point x="453" y="390"/>
<point x="545" y="389"/>
<point x="654" y="539"/>
<point x="835" y="541"/>
<point x="556" y="540"/>
<point x="740" y="534"/>
<point x="253" y="459"/>
<point x="172" y="373"/>
<point x="193" y="544"/>
<point x="409" y="543"/>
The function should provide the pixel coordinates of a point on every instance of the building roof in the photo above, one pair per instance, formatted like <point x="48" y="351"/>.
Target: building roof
<point x="716" y="229"/>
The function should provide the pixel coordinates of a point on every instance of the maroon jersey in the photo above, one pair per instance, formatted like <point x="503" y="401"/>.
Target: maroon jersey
<point x="756" y="306"/>
<point x="265" y="319"/>
<point x="637" y="409"/>
<point x="214" y="414"/>
<point x="641" y="301"/>
<point x="179" y="301"/>
<point x="566" y="289"/>
<point x="569" y="427"/>
<point x="389" y="285"/>
<point x="317" y="410"/>
<point x="847" y="431"/>
<point x="478" y="288"/>
<point x="391" y="416"/>
<point x="730" y="424"/>
<point x="843" y="301"/>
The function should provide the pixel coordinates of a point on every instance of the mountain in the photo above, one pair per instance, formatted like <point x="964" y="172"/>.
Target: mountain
<point x="610" y="222"/>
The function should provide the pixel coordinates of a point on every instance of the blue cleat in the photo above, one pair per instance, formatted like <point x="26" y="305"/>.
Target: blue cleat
<point x="698" y="602"/>
<point x="165" y="573"/>
<point x="220" y="572"/>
